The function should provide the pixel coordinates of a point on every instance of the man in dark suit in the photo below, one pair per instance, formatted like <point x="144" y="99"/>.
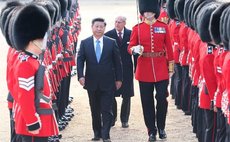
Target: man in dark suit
<point x="103" y="75"/>
<point x="122" y="35"/>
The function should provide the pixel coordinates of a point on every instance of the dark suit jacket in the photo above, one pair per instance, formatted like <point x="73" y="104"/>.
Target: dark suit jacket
<point x="127" y="86"/>
<point x="100" y="75"/>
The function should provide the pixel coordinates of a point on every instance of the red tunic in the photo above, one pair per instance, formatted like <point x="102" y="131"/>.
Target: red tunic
<point x="183" y="35"/>
<point x="24" y="107"/>
<point x="174" y="31"/>
<point x="163" y="17"/>
<point x="154" y="38"/>
<point x="218" y="63"/>
<point x="11" y="58"/>
<point x="195" y="68"/>
<point x="226" y="94"/>
<point x="209" y="84"/>
<point x="190" y="59"/>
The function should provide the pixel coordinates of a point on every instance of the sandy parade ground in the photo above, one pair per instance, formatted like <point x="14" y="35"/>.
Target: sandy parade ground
<point x="178" y="126"/>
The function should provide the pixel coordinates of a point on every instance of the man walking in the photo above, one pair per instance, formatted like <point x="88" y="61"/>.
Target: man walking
<point x="103" y="75"/>
<point x="122" y="35"/>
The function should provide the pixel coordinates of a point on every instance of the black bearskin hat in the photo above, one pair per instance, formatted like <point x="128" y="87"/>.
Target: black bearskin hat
<point x="149" y="6"/>
<point x="186" y="10"/>
<point x="196" y="13"/>
<point x="170" y="9"/>
<point x="56" y="5"/>
<point x="228" y="22"/>
<point x="204" y="21"/>
<point x="197" y="3"/>
<point x="48" y="5"/>
<point x="223" y="27"/>
<point x="69" y="6"/>
<point x="5" y="18"/>
<point x="63" y="4"/>
<point x="31" y="22"/>
<point x="179" y="5"/>
<point x="215" y="23"/>
<point x="190" y="15"/>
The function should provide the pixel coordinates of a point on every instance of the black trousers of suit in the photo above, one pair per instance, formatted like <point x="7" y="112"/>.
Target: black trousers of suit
<point x="178" y="84"/>
<point x="220" y="126"/>
<point x="101" y="111"/>
<point x="125" y="109"/>
<point x="148" y="105"/>
<point x="33" y="139"/>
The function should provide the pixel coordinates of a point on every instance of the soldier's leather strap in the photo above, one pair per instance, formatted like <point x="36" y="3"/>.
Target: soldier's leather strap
<point x="153" y="54"/>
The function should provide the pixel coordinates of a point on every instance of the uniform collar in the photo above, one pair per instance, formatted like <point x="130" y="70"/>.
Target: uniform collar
<point x="150" y="22"/>
<point x="31" y="54"/>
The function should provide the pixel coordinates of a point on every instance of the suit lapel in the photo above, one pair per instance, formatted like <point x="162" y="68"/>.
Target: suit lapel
<point x="92" y="48"/>
<point x="104" y="47"/>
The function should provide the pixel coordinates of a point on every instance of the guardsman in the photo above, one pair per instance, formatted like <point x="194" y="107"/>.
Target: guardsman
<point x="193" y="60"/>
<point x="33" y="113"/>
<point x="175" y="27"/>
<point x="163" y="13"/>
<point x="6" y="17"/>
<point x="183" y="36"/>
<point x="225" y="101"/>
<point x="151" y="40"/>
<point x="208" y="82"/>
<point x="218" y="63"/>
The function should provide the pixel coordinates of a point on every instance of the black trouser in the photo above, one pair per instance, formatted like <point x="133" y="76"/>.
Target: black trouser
<point x="125" y="109"/>
<point x="220" y="126"/>
<point x="64" y="95"/>
<point x="227" y="138"/>
<point x="148" y="106"/>
<point x="33" y="139"/>
<point x="200" y="125"/>
<point x="172" y="86"/>
<point x="210" y="124"/>
<point x="13" y="136"/>
<point x="178" y="84"/>
<point x="186" y="106"/>
<point x="101" y="106"/>
<point x="194" y="104"/>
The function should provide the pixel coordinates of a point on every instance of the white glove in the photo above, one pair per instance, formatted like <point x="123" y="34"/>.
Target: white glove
<point x="59" y="56"/>
<point x="137" y="49"/>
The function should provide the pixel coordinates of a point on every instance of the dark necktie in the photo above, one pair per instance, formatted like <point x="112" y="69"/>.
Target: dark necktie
<point x="120" y="38"/>
<point x="98" y="50"/>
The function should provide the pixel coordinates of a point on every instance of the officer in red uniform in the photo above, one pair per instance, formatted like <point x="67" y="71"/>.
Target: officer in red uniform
<point x="225" y="97"/>
<point x="171" y="13"/>
<point x="151" y="40"/>
<point x="33" y="113"/>
<point x="6" y="14"/>
<point x="185" y="80"/>
<point x="163" y="17"/>
<point x="225" y="101"/>
<point x="175" y="27"/>
<point x="218" y="63"/>
<point x="207" y="75"/>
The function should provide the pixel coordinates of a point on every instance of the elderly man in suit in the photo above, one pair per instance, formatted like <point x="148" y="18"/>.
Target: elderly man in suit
<point x="122" y="35"/>
<point x="103" y="75"/>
